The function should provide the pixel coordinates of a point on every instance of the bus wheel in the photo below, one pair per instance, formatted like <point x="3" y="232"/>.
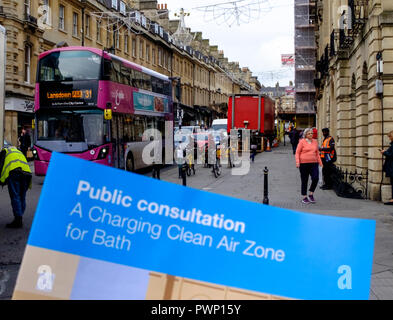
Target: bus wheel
<point x="130" y="166"/>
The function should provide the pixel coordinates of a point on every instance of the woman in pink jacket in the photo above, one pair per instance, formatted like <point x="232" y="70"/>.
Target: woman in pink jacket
<point x="307" y="160"/>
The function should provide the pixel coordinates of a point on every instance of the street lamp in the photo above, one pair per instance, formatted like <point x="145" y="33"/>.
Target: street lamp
<point x="178" y="97"/>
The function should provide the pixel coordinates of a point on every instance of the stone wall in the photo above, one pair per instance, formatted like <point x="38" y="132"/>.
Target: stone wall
<point x="359" y="119"/>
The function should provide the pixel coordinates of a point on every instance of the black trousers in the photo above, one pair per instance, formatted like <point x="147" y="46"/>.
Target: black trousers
<point x="391" y="182"/>
<point x="18" y="184"/>
<point x="294" y="147"/>
<point x="327" y="172"/>
<point x="306" y="170"/>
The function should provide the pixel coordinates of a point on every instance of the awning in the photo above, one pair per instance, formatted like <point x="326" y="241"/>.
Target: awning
<point x="204" y="110"/>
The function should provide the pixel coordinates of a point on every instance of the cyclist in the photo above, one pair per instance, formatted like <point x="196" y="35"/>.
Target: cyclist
<point x="216" y="166"/>
<point x="190" y="158"/>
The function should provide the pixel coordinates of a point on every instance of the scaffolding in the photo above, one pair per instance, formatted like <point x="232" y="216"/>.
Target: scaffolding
<point x="305" y="56"/>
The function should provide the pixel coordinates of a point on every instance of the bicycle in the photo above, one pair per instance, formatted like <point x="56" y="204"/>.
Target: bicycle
<point x="205" y="157"/>
<point x="230" y="152"/>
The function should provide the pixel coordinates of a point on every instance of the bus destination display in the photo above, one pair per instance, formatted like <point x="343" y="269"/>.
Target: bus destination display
<point x="66" y="95"/>
<point x="76" y="94"/>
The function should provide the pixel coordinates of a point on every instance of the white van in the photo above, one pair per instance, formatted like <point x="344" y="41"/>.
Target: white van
<point x="220" y="124"/>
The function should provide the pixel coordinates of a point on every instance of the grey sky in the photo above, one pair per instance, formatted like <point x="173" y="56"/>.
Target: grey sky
<point x="255" y="43"/>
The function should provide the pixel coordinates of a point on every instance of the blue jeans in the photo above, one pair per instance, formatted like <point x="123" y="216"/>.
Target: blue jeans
<point x="252" y="155"/>
<point x="18" y="183"/>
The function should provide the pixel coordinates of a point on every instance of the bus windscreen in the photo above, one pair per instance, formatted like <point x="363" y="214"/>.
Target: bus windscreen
<point x="71" y="126"/>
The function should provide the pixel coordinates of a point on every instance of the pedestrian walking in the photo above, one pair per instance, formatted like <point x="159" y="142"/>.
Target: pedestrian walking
<point x="315" y="133"/>
<point x="294" y="136"/>
<point x="253" y="151"/>
<point x="388" y="164"/>
<point x="24" y="141"/>
<point x="328" y="156"/>
<point x="307" y="160"/>
<point x="180" y="158"/>
<point x="16" y="173"/>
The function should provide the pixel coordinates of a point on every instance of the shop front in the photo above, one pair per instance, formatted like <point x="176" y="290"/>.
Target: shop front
<point x="19" y="113"/>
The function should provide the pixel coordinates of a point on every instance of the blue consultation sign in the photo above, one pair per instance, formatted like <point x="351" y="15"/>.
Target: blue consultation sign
<point x="108" y="214"/>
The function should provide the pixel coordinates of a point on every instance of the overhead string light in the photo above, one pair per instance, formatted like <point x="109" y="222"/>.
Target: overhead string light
<point x="239" y="11"/>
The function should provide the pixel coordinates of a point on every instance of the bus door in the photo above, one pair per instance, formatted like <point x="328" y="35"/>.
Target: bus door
<point x="117" y="138"/>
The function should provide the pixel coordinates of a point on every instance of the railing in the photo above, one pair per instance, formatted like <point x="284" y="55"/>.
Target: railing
<point x="30" y="19"/>
<point x="333" y="43"/>
<point x="322" y="66"/>
<point x="305" y="62"/>
<point x="354" y="19"/>
<point x="345" y="39"/>
<point x="305" y="41"/>
<point x="349" y="184"/>
<point x="358" y="13"/>
<point x="305" y="87"/>
<point x="305" y="107"/>
<point x="302" y="20"/>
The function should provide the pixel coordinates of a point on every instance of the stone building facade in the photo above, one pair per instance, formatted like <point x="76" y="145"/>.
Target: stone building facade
<point x="352" y="36"/>
<point x="34" y="26"/>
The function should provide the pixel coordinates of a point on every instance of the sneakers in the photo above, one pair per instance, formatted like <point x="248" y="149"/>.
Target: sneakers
<point x="306" y="201"/>
<point x="309" y="199"/>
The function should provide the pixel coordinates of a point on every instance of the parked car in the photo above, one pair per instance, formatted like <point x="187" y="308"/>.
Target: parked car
<point x="182" y="138"/>
<point x="220" y="124"/>
<point x="203" y="138"/>
<point x="191" y="129"/>
<point x="219" y="136"/>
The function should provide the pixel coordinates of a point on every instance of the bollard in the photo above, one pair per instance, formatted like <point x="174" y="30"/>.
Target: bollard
<point x="265" y="187"/>
<point x="184" y="174"/>
<point x="156" y="171"/>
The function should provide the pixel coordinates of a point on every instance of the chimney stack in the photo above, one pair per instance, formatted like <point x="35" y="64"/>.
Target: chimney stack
<point x="162" y="6"/>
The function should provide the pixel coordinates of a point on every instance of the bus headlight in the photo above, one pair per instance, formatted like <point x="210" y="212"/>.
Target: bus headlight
<point x="35" y="154"/>
<point x="102" y="154"/>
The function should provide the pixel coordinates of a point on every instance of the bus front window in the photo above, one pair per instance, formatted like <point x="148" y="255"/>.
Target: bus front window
<point x="94" y="129"/>
<point x="85" y="129"/>
<point x="60" y="126"/>
<point x="69" y="66"/>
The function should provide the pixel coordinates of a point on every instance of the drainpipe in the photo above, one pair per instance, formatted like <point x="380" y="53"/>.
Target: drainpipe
<point x="210" y="100"/>
<point x="83" y="3"/>
<point x="379" y="91"/>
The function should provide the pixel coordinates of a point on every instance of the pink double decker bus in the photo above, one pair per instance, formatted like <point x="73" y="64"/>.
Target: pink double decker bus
<point x="75" y="85"/>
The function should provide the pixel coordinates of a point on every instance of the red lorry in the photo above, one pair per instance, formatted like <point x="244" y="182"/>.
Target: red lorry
<point x="254" y="112"/>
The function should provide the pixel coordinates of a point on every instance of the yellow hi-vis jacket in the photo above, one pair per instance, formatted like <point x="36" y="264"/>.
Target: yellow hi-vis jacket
<point x="13" y="159"/>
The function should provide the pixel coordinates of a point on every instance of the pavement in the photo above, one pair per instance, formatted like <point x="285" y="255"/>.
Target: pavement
<point x="284" y="192"/>
<point x="13" y="241"/>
